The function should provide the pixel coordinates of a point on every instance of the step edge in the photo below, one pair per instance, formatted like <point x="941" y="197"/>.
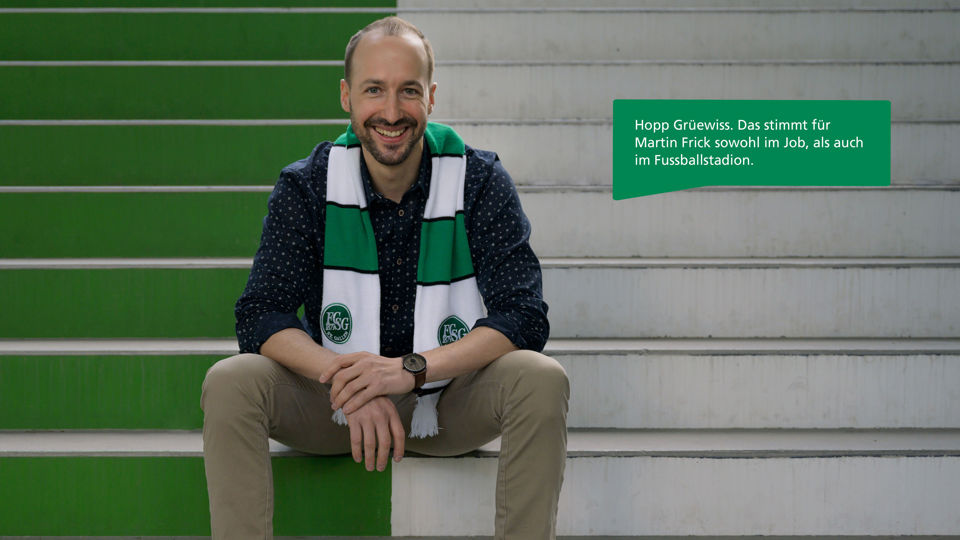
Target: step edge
<point x="556" y="346"/>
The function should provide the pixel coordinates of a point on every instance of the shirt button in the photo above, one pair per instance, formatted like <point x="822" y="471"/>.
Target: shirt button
<point x="395" y="308"/>
<point x="400" y="212"/>
<point x="399" y="261"/>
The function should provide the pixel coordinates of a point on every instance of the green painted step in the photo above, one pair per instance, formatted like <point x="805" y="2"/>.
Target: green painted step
<point x="136" y="155"/>
<point x="142" y="224"/>
<point x="119" y="302"/>
<point x="102" y="392"/>
<point x="166" y="495"/>
<point x="155" y="92"/>
<point x="178" y="36"/>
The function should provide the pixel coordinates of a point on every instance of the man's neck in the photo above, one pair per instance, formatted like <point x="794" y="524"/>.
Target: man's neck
<point x="392" y="181"/>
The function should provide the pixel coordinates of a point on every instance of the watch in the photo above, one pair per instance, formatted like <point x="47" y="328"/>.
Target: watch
<point x="416" y="364"/>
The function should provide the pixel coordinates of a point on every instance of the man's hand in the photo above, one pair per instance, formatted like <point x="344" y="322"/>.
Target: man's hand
<point x="359" y="377"/>
<point x="372" y="428"/>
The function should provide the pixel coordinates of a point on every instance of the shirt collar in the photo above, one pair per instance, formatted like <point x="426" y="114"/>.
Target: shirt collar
<point x="423" y="177"/>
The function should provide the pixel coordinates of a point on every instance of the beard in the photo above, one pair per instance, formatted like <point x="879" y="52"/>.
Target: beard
<point x="388" y="154"/>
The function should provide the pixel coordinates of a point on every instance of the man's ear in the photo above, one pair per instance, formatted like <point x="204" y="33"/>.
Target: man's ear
<point x="432" y="93"/>
<point x="345" y="96"/>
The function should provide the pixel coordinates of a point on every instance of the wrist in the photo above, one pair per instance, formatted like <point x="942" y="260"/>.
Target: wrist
<point x="416" y="365"/>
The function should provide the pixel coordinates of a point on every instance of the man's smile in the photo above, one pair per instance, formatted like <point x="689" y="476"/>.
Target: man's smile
<point x="389" y="135"/>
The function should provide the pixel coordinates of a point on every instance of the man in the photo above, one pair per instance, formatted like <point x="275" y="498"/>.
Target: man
<point x="395" y="239"/>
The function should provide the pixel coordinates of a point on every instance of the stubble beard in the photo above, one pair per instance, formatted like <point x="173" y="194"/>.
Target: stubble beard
<point x="371" y="145"/>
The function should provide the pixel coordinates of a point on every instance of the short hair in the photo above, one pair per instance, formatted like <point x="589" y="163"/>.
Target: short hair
<point x="390" y="26"/>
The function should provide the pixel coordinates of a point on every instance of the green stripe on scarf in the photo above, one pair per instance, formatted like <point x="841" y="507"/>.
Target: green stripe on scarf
<point x="444" y="251"/>
<point x="349" y="239"/>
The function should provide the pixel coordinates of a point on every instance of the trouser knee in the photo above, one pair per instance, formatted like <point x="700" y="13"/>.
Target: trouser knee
<point x="235" y="382"/>
<point x="541" y="382"/>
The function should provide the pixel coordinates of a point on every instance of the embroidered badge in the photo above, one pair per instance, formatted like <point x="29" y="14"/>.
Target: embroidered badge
<point x="451" y="329"/>
<point x="337" y="323"/>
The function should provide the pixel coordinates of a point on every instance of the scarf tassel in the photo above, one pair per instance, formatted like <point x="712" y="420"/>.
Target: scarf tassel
<point x="424" y="423"/>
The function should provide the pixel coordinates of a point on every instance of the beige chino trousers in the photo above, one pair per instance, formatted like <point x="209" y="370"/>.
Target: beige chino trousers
<point x="522" y="396"/>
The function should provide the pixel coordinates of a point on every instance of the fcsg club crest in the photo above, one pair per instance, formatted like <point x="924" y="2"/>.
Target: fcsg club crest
<point x="336" y="323"/>
<point x="451" y="329"/>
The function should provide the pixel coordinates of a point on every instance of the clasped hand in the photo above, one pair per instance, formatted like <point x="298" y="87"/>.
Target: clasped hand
<point x="360" y="383"/>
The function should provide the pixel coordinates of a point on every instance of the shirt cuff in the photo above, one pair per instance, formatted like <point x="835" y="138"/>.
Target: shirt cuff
<point x="268" y="325"/>
<point x="505" y="327"/>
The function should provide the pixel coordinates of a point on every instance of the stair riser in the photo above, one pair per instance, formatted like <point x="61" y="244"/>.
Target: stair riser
<point x="693" y="35"/>
<point x="557" y="91"/>
<point x="695" y="496"/>
<point x="644" y="391"/>
<point x="160" y="496"/>
<point x="745" y="224"/>
<point x="753" y="302"/>
<point x="895" y="302"/>
<point x="566" y="223"/>
<point x="650" y="391"/>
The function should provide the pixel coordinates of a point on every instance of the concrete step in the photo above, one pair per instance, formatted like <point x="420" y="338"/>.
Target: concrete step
<point x="573" y="221"/>
<point x="589" y="298"/>
<point x="753" y="297"/>
<point x="765" y="383"/>
<point x="590" y="32"/>
<point x="629" y="483"/>
<point x="557" y="90"/>
<point x="249" y="154"/>
<point x="747" y="222"/>
<point x="578" y="152"/>
<point x="411" y="6"/>
<point x="663" y="384"/>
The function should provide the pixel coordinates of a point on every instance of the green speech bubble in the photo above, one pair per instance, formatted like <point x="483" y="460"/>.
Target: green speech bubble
<point x="662" y="145"/>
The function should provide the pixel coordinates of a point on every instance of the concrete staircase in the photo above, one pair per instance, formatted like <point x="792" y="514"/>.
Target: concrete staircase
<point x="776" y="362"/>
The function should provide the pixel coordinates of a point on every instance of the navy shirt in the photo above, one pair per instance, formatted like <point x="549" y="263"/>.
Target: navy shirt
<point x="287" y="270"/>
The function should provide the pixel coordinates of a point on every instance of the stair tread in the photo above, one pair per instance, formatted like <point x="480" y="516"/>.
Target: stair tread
<point x="581" y="443"/>
<point x="701" y="346"/>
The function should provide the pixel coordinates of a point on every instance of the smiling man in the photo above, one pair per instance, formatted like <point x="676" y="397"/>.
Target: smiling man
<point x="423" y="309"/>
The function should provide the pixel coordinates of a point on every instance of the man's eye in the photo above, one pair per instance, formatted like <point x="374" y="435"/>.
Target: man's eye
<point x="412" y="92"/>
<point x="373" y="90"/>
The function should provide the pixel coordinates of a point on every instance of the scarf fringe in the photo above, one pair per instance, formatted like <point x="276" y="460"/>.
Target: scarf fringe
<point x="424" y="423"/>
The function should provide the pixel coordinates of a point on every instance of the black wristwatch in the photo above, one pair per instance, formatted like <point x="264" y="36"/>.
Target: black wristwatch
<point x="416" y="364"/>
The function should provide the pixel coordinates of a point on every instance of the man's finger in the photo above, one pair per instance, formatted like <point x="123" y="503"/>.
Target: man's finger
<point x="383" y="444"/>
<point x="358" y="400"/>
<point x="396" y="429"/>
<point x="356" y="440"/>
<point x="341" y="379"/>
<point x="369" y="444"/>
<point x="349" y="390"/>
<point x="338" y="363"/>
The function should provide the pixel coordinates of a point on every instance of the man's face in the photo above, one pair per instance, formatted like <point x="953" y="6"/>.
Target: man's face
<point x="388" y="95"/>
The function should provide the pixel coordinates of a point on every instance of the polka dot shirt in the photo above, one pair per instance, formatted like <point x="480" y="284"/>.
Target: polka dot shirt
<point x="287" y="270"/>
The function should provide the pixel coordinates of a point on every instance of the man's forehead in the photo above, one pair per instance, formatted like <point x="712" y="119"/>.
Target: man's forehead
<point x="376" y="43"/>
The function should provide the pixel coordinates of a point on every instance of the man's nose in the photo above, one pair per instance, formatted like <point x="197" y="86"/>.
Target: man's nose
<point x="391" y="109"/>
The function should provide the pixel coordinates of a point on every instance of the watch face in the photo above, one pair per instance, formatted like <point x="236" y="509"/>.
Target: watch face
<point x="414" y="363"/>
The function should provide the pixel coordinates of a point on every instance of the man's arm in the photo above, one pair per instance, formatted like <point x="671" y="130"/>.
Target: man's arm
<point x="285" y="273"/>
<point x="298" y="352"/>
<point x="359" y="377"/>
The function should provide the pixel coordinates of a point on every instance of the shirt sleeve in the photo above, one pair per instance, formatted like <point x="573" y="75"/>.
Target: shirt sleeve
<point x="285" y="267"/>
<point x="508" y="272"/>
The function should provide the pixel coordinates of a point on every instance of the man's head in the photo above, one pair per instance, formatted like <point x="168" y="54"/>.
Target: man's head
<point x="387" y="88"/>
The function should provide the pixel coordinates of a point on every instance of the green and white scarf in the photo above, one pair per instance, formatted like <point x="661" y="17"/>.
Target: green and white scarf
<point x="448" y="302"/>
